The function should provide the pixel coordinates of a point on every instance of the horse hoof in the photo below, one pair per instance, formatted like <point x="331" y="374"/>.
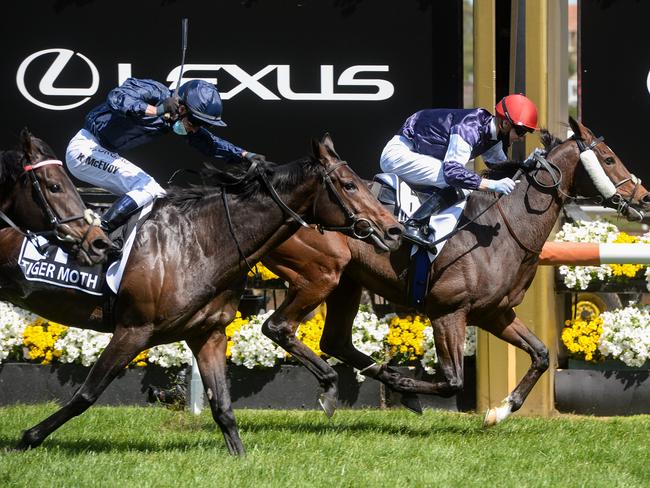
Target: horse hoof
<point x="411" y="402"/>
<point x="328" y="404"/>
<point x="490" y="419"/>
<point x="497" y="414"/>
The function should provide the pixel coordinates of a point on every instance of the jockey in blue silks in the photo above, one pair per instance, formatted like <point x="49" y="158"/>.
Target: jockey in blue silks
<point x="135" y="113"/>
<point x="433" y="146"/>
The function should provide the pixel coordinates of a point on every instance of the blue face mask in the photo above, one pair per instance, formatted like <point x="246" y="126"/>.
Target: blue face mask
<point x="179" y="128"/>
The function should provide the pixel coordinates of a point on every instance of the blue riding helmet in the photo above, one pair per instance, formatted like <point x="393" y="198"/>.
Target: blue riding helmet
<point x="203" y="101"/>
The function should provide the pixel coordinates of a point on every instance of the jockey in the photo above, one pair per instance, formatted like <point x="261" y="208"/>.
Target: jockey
<point x="135" y="113"/>
<point x="434" y="145"/>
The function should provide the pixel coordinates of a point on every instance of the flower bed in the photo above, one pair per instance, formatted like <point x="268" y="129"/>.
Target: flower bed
<point x="609" y="365"/>
<point x="400" y="340"/>
<point x="606" y="277"/>
<point x="622" y="334"/>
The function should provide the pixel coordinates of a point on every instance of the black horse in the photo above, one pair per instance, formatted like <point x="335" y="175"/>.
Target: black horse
<point x="189" y="261"/>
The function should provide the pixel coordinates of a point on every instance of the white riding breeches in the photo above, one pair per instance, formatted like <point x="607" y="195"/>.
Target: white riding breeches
<point x="90" y="162"/>
<point x="417" y="169"/>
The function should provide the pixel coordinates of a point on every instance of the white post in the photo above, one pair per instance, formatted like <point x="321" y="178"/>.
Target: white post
<point x="196" y="389"/>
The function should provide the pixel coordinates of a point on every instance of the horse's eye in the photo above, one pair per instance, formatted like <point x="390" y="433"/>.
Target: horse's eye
<point x="54" y="188"/>
<point x="609" y="161"/>
<point x="349" y="186"/>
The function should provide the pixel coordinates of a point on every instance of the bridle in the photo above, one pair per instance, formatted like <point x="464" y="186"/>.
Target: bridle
<point x="612" y="196"/>
<point x="606" y="187"/>
<point x="54" y="220"/>
<point x="353" y="221"/>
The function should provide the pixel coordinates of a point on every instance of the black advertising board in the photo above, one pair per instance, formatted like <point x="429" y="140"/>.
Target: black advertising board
<point x="288" y="71"/>
<point x="615" y="77"/>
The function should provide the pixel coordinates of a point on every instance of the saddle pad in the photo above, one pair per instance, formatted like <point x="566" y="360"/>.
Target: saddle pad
<point x="116" y="269"/>
<point x="48" y="263"/>
<point x="408" y="200"/>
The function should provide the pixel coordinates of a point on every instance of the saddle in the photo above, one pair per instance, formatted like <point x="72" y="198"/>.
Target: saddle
<point x="403" y="200"/>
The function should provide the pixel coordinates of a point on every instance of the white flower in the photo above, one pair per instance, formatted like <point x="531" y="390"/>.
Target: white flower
<point x="170" y="355"/>
<point x="81" y="346"/>
<point x="626" y="335"/>
<point x="251" y="348"/>
<point x="13" y="321"/>
<point x="579" y="277"/>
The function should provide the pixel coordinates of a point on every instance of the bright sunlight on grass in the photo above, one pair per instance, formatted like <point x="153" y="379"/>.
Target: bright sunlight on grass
<point x="157" y="447"/>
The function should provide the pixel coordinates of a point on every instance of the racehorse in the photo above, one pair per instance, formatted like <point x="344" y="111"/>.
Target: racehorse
<point x="36" y="193"/>
<point x="189" y="262"/>
<point x="480" y="275"/>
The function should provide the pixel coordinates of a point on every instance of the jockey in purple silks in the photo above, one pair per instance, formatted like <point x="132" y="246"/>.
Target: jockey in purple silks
<point x="433" y="146"/>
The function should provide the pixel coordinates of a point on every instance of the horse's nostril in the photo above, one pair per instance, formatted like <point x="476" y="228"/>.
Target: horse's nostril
<point x="101" y="244"/>
<point x="646" y="198"/>
<point x="395" y="231"/>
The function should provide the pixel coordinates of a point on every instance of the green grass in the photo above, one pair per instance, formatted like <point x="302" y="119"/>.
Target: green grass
<point x="143" y="447"/>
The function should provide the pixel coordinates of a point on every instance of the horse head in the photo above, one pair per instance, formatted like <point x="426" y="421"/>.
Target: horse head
<point x="38" y="195"/>
<point x="345" y="204"/>
<point x="602" y="175"/>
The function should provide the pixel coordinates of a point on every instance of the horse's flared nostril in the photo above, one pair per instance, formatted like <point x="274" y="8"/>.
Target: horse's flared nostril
<point x="395" y="231"/>
<point x="101" y="244"/>
<point x="646" y="199"/>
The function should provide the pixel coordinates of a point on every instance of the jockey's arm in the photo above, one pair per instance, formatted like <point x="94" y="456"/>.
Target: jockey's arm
<point x="453" y="165"/>
<point x="213" y="146"/>
<point x="137" y="97"/>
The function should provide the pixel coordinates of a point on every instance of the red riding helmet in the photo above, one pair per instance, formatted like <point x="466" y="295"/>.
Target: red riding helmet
<point x="518" y="110"/>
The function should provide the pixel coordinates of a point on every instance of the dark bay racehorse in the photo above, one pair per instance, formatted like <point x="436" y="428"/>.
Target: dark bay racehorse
<point x="188" y="265"/>
<point x="481" y="274"/>
<point x="37" y="194"/>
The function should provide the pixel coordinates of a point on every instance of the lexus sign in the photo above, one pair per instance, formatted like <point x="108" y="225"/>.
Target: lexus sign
<point x="46" y="84"/>
<point x="287" y="71"/>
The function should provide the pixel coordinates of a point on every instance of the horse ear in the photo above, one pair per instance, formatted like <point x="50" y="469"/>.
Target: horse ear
<point x="577" y="128"/>
<point x="327" y="142"/>
<point x="26" y="142"/>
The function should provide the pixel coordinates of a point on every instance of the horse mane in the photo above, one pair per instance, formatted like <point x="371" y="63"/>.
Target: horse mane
<point x="236" y="180"/>
<point x="507" y="169"/>
<point x="11" y="167"/>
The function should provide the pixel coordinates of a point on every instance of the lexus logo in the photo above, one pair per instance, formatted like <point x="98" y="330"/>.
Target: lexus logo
<point x="46" y="85"/>
<point x="262" y="83"/>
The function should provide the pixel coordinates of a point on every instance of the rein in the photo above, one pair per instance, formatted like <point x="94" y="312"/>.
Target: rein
<point x="556" y="175"/>
<point x="355" y="221"/>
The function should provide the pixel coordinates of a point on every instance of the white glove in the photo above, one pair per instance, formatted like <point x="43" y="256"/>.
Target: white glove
<point x="504" y="186"/>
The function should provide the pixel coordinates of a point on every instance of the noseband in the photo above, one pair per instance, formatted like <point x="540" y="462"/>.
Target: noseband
<point x="55" y="221"/>
<point x="606" y="187"/>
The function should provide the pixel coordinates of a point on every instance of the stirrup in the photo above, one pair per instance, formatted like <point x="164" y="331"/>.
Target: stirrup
<point x="416" y="239"/>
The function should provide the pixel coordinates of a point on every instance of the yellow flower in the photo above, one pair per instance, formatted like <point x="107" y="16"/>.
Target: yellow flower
<point x="405" y="337"/>
<point x="264" y="273"/>
<point x="581" y="338"/>
<point x="39" y="338"/>
<point x="233" y="327"/>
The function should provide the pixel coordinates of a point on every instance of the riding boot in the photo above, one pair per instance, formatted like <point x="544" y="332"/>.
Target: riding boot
<point x="416" y="229"/>
<point x="113" y="218"/>
<point x="119" y="213"/>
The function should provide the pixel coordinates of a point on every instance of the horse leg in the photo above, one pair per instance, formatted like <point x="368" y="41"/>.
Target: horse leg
<point x="281" y="328"/>
<point x="342" y="307"/>
<point x="512" y="330"/>
<point x="449" y="335"/>
<point x="125" y="345"/>
<point x="210" y="353"/>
